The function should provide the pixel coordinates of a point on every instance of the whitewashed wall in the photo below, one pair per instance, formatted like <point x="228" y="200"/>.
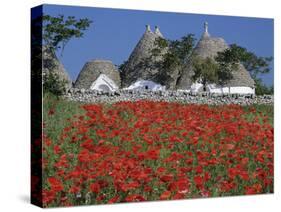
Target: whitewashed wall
<point x="145" y="84"/>
<point x="242" y="90"/>
<point x="103" y="83"/>
<point x="212" y="88"/>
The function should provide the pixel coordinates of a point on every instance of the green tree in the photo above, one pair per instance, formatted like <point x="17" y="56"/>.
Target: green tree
<point x="121" y="68"/>
<point x="218" y="70"/>
<point x="57" y="31"/>
<point x="54" y="84"/>
<point x="254" y="64"/>
<point x="227" y="61"/>
<point x="205" y="71"/>
<point x="262" y="89"/>
<point x="174" y="54"/>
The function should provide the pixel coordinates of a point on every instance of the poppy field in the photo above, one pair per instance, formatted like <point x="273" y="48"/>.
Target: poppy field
<point x="146" y="151"/>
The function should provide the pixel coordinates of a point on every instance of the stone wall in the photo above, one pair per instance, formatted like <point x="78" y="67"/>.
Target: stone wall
<point x="93" y="96"/>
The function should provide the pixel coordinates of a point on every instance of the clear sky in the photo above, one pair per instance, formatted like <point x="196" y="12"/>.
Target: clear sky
<point x="115" y="32"/>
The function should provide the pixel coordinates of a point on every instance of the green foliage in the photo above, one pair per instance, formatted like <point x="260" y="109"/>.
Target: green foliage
<point x="253" y="63"/>
<point x="56" y="112"/>
<point x="182" y="48"/>
<point x="174" y="52"/>
<point x="121" y="68"/>
<point x="218" y="70"/>
<point x="160" y="45"/>
<point x="262" y="89"/>
<point x="174" y="55"/>
<point x="205" y="71"/>
<point x="260" y="110"/>
<point x="57" y="31"/>
<point x="227" y="61"/>
<point x="53" y="84"/>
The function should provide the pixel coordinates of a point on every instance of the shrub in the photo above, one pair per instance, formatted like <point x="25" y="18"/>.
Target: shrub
<point x="52" y="83"/>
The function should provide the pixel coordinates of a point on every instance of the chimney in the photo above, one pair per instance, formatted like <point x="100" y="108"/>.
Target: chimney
<point x="157" y="31"/>
<point x="206" y="33"/>
<point x="206" y="27"/>
<point x="147" y="28"/>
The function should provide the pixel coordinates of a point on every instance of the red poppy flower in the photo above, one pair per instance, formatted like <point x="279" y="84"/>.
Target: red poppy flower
<point x="199" y="181"/>
<point x="129" y="186"/>
<point x="74" y="189"/>
<point x="134" y="198"/>
<point x="117" y="150"/>
<point x="167" y="178"/>
<point x="55" y="184"/>
<point x="165" y="195"/>
<point x="114" y="199"/>
<point x="95" y="187"/>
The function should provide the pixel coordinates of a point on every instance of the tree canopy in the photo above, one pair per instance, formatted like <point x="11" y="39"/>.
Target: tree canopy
<point x="205" y="71"/>
<point x="254" y="64"/>
<point x="174" y="53"/>
<point x="217" y="71"/>
<point x="53" y="33"/>
<point x="177" y="51"/>
<point x="57" y="31"/>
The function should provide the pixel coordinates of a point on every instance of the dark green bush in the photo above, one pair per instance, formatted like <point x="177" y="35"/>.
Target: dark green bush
<point x="52" y="83"/>
<point x="262" y="89"/>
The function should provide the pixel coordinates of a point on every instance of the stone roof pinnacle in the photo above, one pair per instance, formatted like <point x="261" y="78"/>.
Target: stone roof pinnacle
<point x="206" y="33"/>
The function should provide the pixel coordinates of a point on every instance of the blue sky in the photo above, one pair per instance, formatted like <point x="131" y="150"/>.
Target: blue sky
<point x="115" y="32"/>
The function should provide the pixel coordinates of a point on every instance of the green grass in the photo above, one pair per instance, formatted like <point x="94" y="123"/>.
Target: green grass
<point x="261" y="110"/>
<point x="62" y="111"/>
<point x="57" y="113"/>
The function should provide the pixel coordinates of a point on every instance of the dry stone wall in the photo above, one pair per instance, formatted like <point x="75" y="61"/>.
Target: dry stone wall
<point x="93" y="96"/>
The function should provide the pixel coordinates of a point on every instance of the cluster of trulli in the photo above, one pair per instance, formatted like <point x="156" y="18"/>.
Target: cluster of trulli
<point x="141" y="71"/>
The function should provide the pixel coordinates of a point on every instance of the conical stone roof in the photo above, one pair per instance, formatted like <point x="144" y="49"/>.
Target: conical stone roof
<point x="93" y="69"/>
<point x="51" y="63"/>
<point x="140" y="66"/>
<point x="209" y="47"/>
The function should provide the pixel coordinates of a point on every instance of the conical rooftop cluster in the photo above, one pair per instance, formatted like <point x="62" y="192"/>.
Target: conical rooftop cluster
<point x="141" y="67"/>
